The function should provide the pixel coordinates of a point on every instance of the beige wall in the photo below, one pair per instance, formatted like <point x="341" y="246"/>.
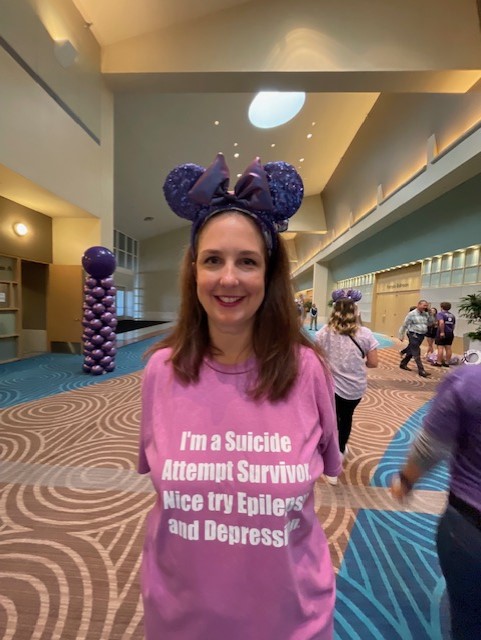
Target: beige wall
<point x="37" y="244"/>
<point x="40" y="141"/>
<point x="31" y="28"/>
<point x="313" y="36"/>
<point x="160" y="259"/>
<point x="390" y="147"/>
<point x="72" y="237"/>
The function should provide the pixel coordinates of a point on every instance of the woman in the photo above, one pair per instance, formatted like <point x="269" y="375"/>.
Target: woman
<point x="452" y="430"/>
<point x="237" y="424"/>
<point x="350" y="348"/>
<point x="432" y="329"/>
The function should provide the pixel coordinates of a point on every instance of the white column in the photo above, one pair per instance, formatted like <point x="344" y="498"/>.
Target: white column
<point x="320" y="293"/>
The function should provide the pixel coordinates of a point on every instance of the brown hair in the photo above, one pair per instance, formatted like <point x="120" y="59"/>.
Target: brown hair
<point x="343" y="317"/>
<point x="276" y="334"/>
<point x="445" y="306"/>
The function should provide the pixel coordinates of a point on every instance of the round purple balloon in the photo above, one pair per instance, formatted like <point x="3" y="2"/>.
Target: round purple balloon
<point x="111" y="352"/>
<point x="97" y="340"/>
<point x="97" y="370"/>
<point x="99" y="262"/>
<point x="88" y="346"/>
<point x="98" y="292"/>
<point x="98" y="308"/>
<point x="107" y="346"/>
<point x="90" y="300"/>
<point x="89" y="361"/>
<point x="89" y="332"/>
<point x="96" y="324"/>
<point x="106" y="317"/>
<point x="108" y="301"/>
<point x="110" y="367"/>
<point x="113" y="323"/>
<point x="112" y="291"/>
<point x="91" y="282"/>
<point x="105" y="361"/>
<point x="106" y="282"/>
<point x="89" y="315"/>
<point x="97" y="354"/>
<point x="105" y="332"/>
<point x="86" y="368"/>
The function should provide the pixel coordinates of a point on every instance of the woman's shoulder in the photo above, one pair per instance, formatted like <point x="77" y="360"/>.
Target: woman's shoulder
<point x="159" y="359"/>
<point x="310" y="360"/>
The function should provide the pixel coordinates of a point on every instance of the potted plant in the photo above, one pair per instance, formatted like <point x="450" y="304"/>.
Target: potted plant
<point x="470" y="308"/>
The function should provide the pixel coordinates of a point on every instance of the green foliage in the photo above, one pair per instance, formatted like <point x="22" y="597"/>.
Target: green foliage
<point x="470" y="308"/>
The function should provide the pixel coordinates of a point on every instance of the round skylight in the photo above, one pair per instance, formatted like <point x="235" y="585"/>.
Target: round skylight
<point x="273" y="108"/>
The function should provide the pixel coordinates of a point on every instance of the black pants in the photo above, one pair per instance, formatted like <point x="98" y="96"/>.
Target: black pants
<point x="345" y="410"/>
<point x="459" y="549"/>
<point x="414" y="350"/>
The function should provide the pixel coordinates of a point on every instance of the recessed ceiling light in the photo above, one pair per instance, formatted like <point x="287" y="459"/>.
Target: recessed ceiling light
<point x="301" y="159"/>
<point x="236" y="144"/>
<point x="239" y="175"/>
<point x="309" y="136"/>
<point x="273" y="144"/>
<point x="236" y="155"/>
<point x="313" y="124"/>
<point x="273" y="108"/>
<point x="216" y="122"/>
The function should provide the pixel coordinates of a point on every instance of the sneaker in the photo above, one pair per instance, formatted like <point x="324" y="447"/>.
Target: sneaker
<point x="436" y="364"/>
<point x="445" y="364"/>
<point x="424" y="374"/>
<point x="331" y="480"/>
<point x="404" y="366"/>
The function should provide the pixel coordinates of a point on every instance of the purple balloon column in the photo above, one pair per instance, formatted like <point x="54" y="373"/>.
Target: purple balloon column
<point x="99" y="315"/>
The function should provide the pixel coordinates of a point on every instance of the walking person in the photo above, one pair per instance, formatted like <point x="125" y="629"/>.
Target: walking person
<point x="415" y="326"/>
<point x="350" y="348"/>
<point x="313" y="316"/>
<point x="238" y="423"/>
<point x="445" y="335"/>
<point x="452" y="431"/>
<point x="432" y="329"/>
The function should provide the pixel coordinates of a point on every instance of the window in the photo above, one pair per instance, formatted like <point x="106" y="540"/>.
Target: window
<point x="126" y="251"/>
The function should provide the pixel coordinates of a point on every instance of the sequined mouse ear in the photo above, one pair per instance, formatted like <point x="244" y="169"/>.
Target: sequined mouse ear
<point x="338" y="294"/>
<point x="176" y="190"/>
<point x="287" y="190"/>
<point x="354" y="294"/>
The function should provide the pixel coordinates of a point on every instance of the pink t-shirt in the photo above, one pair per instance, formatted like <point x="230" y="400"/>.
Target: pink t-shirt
<point x="233" y="549"/>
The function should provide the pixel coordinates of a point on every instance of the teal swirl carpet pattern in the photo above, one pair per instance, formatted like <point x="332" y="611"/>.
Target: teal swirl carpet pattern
<point x="51" y="373"/>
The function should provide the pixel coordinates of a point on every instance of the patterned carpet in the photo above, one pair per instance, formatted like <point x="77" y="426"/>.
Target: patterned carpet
<point x="72" y="510"/>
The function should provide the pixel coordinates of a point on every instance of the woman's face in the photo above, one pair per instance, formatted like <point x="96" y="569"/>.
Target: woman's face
<point x="230" y="272"/>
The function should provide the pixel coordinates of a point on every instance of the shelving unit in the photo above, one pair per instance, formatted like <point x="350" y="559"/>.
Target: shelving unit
<point x="10" y="309"/>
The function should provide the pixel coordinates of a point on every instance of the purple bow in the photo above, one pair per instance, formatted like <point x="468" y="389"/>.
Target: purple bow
<point x="251" y="191"/>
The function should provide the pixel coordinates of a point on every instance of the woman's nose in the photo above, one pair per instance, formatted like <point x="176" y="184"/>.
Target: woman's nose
<point x="229" y="276"/>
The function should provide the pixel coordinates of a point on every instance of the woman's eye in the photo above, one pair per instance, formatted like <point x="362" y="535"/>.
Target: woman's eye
<point x="212" y="260"/>
<point x="249" y="262"/>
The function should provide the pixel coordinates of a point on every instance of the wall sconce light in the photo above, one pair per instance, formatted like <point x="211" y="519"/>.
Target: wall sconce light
<point x="20" y="229"/>
<point x="65" y="53"/>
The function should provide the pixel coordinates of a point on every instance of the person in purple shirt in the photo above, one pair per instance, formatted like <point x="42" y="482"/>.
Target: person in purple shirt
<point x="238" y="423"/>
<point x="452" y="430"/>
<point x="444" y="335"/>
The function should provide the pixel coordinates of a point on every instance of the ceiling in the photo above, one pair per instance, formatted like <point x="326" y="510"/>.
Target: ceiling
<point x="157" y="128"/>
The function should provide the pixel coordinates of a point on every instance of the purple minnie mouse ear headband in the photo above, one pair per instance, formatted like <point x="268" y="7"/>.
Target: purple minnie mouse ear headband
<point x="269" y="194"/>
<point x="346" y="294"/>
